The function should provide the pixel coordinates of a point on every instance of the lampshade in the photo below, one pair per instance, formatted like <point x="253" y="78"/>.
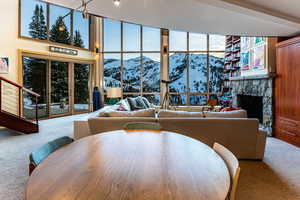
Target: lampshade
<point x="114" y="92"/>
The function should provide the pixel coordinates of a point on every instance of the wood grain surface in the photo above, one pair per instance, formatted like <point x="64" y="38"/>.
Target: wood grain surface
<point x="131" y="165"/>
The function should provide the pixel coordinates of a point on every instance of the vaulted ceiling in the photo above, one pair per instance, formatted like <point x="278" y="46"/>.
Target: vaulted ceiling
<point x="226" y="17"/>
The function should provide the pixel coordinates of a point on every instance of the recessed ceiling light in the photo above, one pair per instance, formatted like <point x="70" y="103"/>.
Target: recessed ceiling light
<point x="117" y="2"/>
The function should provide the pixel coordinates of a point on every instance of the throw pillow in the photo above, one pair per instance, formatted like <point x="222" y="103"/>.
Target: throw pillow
<point x="148" y="104"/>
<point x="138" y="113"/>
<point x="140" y="102"/>
<point x="133" y="104"/>
<point x="178" y="114"/>
<point x="125" y="104"/>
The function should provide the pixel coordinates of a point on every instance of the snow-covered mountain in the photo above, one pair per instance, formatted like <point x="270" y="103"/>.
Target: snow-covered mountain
<point x="177" y="73"/>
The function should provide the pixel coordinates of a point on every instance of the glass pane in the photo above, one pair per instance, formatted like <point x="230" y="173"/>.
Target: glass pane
<point x="112" y="35"/>
<point x="81" y="87"/>
<point x="178" y="41"/>
<point x="112" y="70"/>
<point x="216" y="64"/>
<point x="131" y="37"/>
<point x="217" y="42"/>
<point x="60" y="28"/>
<point x="153" y="98"/>
<point x="34" y="19"/>
<point x="198" y="100"/>
<point x="178" y="100"/>
<point x="197" y="42"/>
<point x="35" y="79"/>
<point x="198" y="73"/>
<point x="81" y="31"/>
<point x="151" y="39"/>
<point x="59" y="88"/>
<point x="132" y="72"/>
<point x="151" y="72"/>
<point x="178" y="64"/>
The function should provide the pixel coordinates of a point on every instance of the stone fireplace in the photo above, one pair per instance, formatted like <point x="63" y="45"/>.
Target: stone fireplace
<point x="255" y="94"/>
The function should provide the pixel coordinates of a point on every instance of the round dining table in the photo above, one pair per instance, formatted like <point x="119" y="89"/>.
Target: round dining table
<point x="131" y="165"/>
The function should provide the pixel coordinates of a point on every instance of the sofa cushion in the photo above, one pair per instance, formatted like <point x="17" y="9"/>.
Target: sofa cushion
<point x="229" y="114"/>
<point x="178" y="114"/>
<point x="138" y="113"/>
<point x="103" y="112"/>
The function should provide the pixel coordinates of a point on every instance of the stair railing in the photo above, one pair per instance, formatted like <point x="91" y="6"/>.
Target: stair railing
<point x="11" y="98"/>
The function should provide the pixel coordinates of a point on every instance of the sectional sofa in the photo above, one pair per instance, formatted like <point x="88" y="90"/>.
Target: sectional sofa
<point x="231" y="129"/>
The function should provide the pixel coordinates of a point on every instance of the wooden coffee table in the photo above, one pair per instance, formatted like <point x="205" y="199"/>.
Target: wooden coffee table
<point x="131" y="165"/>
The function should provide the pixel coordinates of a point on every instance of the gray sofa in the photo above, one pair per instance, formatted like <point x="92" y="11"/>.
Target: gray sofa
<point x="241" y="135"/>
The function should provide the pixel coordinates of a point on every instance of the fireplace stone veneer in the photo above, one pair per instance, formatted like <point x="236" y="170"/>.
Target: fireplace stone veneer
<point x="261" y="86"/>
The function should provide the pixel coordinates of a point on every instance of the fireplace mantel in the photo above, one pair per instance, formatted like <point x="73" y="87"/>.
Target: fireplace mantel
<point x="254" y="77"/>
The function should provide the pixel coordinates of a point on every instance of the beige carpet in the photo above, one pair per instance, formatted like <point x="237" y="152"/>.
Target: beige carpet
<point x="276" y="178"/>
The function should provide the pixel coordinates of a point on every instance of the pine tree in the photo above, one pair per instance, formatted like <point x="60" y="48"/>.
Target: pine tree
<point x="78" y="42"/>
<point x="37" y="27"/>
<point x="59" y="35"/>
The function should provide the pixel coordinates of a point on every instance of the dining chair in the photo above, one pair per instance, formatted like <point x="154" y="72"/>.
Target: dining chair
<point x="44" y="151"/>
<point x="232" y="164"/>
<point x="142" y="125"/>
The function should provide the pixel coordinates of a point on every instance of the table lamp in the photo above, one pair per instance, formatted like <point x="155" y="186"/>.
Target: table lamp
<point x="114" y="94"/>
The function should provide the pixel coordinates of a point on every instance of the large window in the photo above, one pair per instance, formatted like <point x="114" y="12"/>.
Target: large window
<point x="196" y="64"/>
<point x="132" y="59"/>
<point x="45" y="21"/>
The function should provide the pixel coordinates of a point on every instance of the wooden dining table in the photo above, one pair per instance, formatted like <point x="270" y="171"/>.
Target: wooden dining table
<point x="131" y="165"/>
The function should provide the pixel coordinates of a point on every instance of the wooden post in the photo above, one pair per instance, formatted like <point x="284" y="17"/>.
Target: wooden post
<point x="19" y="102"/>
<point x="0" y="95"/>
<point x="36" y="110"/>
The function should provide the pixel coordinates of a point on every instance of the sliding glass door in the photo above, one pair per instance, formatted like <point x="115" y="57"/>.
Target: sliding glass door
<point x="35" y="79"/>
<point x="65" y="87"/>
<point x="59" y="81"/>
<point x="82" y="77"/>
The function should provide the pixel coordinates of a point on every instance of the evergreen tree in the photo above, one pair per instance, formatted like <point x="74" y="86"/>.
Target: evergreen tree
<point x="37" y="27"/>
<point x="59" y="32"/>
<point x="78" y="42"/>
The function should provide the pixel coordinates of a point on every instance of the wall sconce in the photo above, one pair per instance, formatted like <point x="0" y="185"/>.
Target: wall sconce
<point x="165" y="49"/>
<point x="97" y="51"/>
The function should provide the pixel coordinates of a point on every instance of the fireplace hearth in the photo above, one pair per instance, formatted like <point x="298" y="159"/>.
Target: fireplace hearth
<point x="256" y="96"/>
<point x="253" y="105"/>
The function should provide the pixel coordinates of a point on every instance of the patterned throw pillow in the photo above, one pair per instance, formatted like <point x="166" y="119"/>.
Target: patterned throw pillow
<point x="148" y="104"/>
<point x="133" y="104"/>
<point x="140" y="102"/>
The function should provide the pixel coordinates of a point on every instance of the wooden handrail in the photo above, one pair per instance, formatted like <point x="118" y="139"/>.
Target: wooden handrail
<point x="20" y="87"/>
<point x="30" y="92"/>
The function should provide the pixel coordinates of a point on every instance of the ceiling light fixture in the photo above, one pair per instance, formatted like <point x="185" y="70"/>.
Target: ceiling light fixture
<point x="85" y="13"/>
<point x="117" y="2"/>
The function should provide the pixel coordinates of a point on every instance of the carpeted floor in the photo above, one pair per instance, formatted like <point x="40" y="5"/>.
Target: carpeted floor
<point x="276" y="178"/>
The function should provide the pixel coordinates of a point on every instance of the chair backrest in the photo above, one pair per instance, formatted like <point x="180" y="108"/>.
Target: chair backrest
<point x="232" y="164"/>
<point x="44" y="151"/>
<point x="142" y="125"/>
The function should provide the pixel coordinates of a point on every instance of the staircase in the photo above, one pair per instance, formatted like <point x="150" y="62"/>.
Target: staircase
<point x="11" y="103"/>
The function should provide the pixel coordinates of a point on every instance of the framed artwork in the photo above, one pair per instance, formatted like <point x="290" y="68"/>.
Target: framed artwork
<point x="245" y="43"/>
<point x="4" y="65"/>
<point x="244" y="62"/>
<point x="258" y="58"/>
<point x="258" y="40"/>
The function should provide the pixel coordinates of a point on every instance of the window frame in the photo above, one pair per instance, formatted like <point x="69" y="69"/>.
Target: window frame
<point x="141" y="52"/>
<point x="47" y="14"/>
<point x="187" y="93"/>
